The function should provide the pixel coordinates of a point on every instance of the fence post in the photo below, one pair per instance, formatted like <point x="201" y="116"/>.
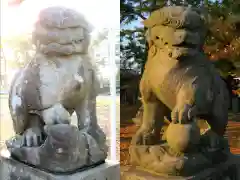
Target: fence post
<point x="113" y="120"/>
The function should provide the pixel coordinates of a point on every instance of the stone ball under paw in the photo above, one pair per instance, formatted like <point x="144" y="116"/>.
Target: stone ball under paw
<point x="56" y="114"/>
<point x="180" y="137"/>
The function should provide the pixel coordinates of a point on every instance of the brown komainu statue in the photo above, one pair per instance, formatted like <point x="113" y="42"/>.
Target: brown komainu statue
<point x="178" y="82"/>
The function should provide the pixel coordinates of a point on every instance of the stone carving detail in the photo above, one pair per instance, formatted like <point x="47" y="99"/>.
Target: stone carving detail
<point x="59" y="80"/>
<point x="14" y="177"/>
<point x="179" y="86"/>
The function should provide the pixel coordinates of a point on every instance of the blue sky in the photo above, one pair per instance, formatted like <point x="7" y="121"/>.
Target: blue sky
<point x="133" y="25"/>
<point x="137" y="23"/>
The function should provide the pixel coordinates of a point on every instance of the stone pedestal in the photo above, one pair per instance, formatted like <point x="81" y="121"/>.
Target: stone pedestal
<point x="229" y="170"/>
<point x="11" y="169"/>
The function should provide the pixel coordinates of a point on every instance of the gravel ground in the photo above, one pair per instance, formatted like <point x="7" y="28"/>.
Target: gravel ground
<point x="103" y="112"/>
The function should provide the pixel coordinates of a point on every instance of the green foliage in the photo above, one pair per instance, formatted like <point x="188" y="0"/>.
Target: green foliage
<point x="133" y="51"/>
<point x="223" y="38"/>
<point x="224" y="66"/>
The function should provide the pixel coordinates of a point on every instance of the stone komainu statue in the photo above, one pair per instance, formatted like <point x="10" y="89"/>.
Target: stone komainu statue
<point x="179" y="83"/>
<point x="178" y="77"/>
<point x="59" y="80"/>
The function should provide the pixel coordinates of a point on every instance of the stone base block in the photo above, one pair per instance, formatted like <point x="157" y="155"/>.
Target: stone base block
<point x="11" y="169"/>
<point x="229" y="170"/>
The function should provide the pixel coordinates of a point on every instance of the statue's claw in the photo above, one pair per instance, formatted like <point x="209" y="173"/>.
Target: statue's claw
<point x="181" y="115"/>
<point x="33" y="137"/>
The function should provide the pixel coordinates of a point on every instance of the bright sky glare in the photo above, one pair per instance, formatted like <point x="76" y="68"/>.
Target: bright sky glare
<point x="17" y="20"/>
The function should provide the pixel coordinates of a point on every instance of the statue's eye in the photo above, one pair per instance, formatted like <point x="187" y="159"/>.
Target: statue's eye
<point x="157" y="37"/>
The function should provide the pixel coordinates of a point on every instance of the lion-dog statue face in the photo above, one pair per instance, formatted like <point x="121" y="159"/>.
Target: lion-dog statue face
<point x="175" y="31"/>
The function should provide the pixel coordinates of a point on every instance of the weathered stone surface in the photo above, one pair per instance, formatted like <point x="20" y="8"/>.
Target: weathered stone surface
<point x="61" y="31"/>
<point x="229" y="170"/>
<point x="181" y="85"/>
<point x="60" y="36"/>
<point x="163" y="159"/>
<point x="178" y="17"/>
<point x="190" y="136"/>
<point x="66" y="49"/>
<point x="64" y="150"/>
<point x="62" y="17"/>
<point x="11" y="169"/>
<point x="69" y="81"/>
<point x="49" y="89"/>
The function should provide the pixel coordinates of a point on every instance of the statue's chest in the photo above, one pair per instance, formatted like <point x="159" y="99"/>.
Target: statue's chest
<point x="166" y="81"/>
<point x="55" y="75"/>
<point x="57" y="78"/>
<point x="164" y="76"/>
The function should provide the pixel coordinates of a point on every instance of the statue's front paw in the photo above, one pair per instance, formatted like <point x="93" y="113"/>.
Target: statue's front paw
<point x="181" y="115"/>
<point x="33" y="137"/>
<point x="56" y="114"/>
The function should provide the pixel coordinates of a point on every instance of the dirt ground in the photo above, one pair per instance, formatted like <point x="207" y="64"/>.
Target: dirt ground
<point x="103" y="113"/>
<point x="128" y="128"/>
